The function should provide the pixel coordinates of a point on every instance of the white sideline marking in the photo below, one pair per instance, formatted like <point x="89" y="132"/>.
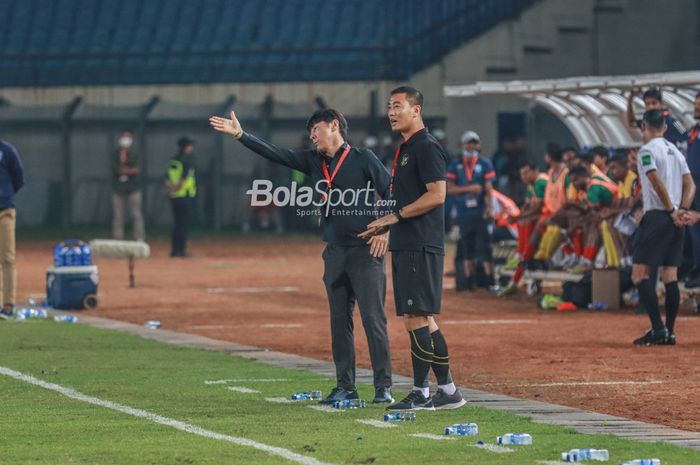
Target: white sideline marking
<point x="494" y="448"/>
<point x="552" y="462"/>
<point x="155" y="418"/>
<point x="434" y="437"/>
<point x="248" y="380"/>
<point x="487" y="322"/>
<point x="242" y="389"/>
<point x="325" y="408"/>
<point x="591" y="383"/>
<point x="280" y="400"/>
<point x="250" y="290"/>
<point x="282" y="325"/>
<point x="377" y="423"/>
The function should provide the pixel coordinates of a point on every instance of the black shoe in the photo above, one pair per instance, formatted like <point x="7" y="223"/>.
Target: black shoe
<point x="652" y="337"/>
<point x="445" y="401"/>
<point x="337" y="394"/>
<point x="414" y="401"/>
<point x="382" y="396"/>
<point x="670" y="340"/>
<point x="5" y="315"/>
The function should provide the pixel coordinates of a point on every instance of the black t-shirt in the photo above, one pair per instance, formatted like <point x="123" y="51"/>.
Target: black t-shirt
<point x="421" y="160"/>
<point x="360" y="169"/>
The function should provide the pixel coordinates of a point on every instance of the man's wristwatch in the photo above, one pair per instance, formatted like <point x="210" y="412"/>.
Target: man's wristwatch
<point x="398" y="216"/>
<point x="670" y="212"/>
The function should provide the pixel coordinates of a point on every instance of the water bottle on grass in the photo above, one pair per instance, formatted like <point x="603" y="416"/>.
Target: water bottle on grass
<point x="519" y="439"/>
<point x="400" y="416"/>
<point x="462" y="429"/>
<point x="349" y="404"/>
<point x="579" y="455"/>
<point x="643" y="462"/>
<point x="65" y="318"/>
<point x="306" y="395"/>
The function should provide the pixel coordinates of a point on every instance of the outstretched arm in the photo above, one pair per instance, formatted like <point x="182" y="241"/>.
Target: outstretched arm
<point x="295" y="159"/>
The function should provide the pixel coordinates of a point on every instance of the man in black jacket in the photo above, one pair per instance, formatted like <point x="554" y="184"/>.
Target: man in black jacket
<point x="345" y="181"/>
<point x="11" y="180"/>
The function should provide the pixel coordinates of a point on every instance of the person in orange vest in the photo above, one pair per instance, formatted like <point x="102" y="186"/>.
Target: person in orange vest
<point x="536" y="184"/>
<point x="554" y="198"/>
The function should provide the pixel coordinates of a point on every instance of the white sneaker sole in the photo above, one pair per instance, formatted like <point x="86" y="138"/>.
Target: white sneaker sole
<point x="456" y="405"/>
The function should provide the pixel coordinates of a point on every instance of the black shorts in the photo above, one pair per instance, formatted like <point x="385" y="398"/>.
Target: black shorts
<point x="475" y="239"/>
<point x="657" y="241"/>
<point x="417" y="280"/>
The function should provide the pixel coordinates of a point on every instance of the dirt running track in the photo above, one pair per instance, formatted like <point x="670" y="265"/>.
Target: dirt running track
<point x="248" y="290"/>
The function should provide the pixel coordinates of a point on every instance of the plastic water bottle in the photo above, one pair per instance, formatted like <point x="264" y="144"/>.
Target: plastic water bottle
<point x="349" y="404"/>
<point x="643" y="462"/>
<point x="520" y="439"/>
<point x="578" y="455"/>
<point x="462" y="429"/>
<point x="39" y="313"/>
<point x="597" y="306"/>
<point x="400" y="416"/>
<point x="306" y="395"/>
<point x="31" y="302"/>
<point x="152" y="324"/>
<point x="65" y="318"/>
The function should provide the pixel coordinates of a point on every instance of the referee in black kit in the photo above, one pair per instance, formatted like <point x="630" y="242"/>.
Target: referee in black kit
<point x="417" y="246"/>
<point x="354" y="269"/>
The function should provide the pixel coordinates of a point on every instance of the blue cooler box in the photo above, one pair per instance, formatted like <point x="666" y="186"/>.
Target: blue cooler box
<point x="72" y="287"/>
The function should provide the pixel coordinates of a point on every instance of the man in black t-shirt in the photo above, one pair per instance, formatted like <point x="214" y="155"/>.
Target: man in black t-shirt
<point x="417" y="245"/>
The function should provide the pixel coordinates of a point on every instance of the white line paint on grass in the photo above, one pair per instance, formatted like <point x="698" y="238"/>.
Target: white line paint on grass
<point x="325" y="408"/>
<point x="487" y="322"/>
<point x="552" y="462"/>
<point x="280" y="400"/>
<point x="155" y="418"/>
<point x="248" y="380"/>
<point x="242" y="390"/>
<point x="434" y="437"/>
<point x="251" y="290"/>
<point x="494" y="448"/>
<point x="377" y="423"/>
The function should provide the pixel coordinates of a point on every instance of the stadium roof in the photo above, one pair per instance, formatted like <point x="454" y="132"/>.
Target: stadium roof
<point x="594" y="108"/>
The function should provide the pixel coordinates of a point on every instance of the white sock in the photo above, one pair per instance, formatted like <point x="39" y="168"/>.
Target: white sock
<point x="448" y="388"/>
<point x="425" y="391"/>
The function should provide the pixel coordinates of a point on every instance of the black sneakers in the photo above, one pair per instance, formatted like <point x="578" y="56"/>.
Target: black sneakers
<point x="338" y="394"/>
<point x="382" y="396"/>
<point x="445" y="401"/>
<point x="6" y="315"/>
<point x="652" y="337"/>
<point x="413" y="401"/>
<point x="670" y="340"/>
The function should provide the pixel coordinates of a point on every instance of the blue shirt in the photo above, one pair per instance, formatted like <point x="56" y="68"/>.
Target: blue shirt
<point x="11" y="175"/>
<point x="467" y="171"/>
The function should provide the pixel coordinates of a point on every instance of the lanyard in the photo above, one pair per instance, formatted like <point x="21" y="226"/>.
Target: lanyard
<point x="469" y="168"/>
<point x="396" y="159"/>
<point x="330" y="177"/>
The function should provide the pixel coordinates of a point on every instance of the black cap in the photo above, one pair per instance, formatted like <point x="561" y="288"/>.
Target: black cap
<point x="184" y="141"/>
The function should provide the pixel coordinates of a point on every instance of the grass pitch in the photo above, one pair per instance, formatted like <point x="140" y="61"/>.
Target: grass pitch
<point x="40" y="426"/>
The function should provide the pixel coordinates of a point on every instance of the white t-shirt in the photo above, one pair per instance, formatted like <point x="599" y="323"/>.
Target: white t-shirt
<point x="661" y="155"/>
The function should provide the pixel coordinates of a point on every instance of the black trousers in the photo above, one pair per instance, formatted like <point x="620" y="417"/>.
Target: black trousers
<point x="352" y="275"/>
<point x="182" y="214"/>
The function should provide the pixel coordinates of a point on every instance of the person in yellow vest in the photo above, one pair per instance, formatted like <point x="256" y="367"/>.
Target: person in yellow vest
<point x="182" y="188"/>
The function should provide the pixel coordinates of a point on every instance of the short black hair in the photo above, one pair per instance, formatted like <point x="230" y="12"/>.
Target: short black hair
<point x="620" y="158"/>
<point x="528" y="164"/>
<point x="328" y="115"/>
<point x="413" y="95"/>
<point x="555" y="153"/>
<point x="653" y="93"/>
<point x="587" y="158"/>
<point x="569" y="148"/>
<point x="654" y="119"/>
<point x="579" y="171"/>
<point x="600" y="151"/>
